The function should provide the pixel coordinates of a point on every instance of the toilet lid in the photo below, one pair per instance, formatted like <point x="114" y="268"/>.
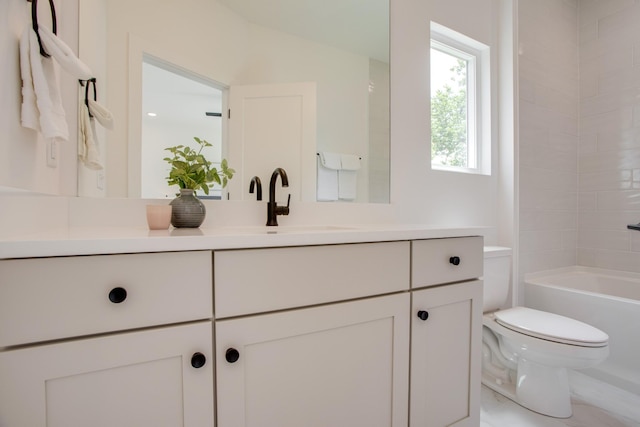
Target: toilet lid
<point x="551" y="327"/>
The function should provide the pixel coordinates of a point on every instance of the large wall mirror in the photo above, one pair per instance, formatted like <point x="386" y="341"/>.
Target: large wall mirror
<point x="306" y="82"/>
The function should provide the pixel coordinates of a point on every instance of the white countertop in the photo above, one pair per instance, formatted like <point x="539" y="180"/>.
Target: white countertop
<point x="113" y="240"/>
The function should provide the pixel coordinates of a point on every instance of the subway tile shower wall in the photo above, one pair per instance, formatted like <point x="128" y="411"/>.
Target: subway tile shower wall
<point x="549" y="81"/>
<point x="609" y="150"/>
<point x="579" y="134"/>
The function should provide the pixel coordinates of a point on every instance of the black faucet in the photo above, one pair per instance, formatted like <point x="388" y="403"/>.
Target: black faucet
<point x="273" y="210"/>
<point x="255" y="182"/>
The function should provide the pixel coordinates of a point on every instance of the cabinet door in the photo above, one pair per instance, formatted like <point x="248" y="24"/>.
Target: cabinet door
<point x="445" y="355"/>
<point x="133" y="379"/>
<point x="344" y="364"/>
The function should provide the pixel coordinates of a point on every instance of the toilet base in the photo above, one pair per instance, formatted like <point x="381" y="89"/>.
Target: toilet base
<point x="544" y="389"/>
<point x="541" y="389"/>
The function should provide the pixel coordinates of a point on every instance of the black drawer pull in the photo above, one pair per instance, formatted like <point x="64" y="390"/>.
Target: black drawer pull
<point x="198" y="360"/>
<point x="423" y="315"/>
<point x="454" y="260"/>
<point x="232" y="355"/>
<point x="117" y="295"/>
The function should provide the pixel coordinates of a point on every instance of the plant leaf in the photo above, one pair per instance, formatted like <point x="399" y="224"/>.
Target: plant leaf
<point x="191" y="169"/>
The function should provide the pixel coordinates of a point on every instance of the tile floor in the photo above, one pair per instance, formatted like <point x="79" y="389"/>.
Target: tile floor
<point x="595" y="404"/>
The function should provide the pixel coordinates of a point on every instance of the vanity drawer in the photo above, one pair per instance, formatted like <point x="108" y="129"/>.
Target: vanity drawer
<point x="50" y="298"/>
<point x="437" y="261"/>
<point x="261" y="280"/>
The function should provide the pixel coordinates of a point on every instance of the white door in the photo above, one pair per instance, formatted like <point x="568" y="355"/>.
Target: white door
<point x="133" y="379"/>
<point x="445" y="355"/>
<point x="344" y="364"/>
<point x="273" y="126"/>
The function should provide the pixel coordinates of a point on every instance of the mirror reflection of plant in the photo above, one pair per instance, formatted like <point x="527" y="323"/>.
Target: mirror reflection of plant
<point x="191" y="170"/>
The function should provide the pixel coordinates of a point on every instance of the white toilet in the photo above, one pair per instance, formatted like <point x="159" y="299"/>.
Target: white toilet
<point x="526" y="352"/>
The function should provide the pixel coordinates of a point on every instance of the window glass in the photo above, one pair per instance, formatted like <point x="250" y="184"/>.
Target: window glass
<point x="449" y="110"/>
<point x="460" y="102"/>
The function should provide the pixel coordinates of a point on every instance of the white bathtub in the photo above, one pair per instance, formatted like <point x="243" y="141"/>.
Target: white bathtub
<point x="606" y="299"/>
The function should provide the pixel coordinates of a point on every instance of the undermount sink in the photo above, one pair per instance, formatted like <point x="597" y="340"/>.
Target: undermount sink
<point x="284" y="229"/>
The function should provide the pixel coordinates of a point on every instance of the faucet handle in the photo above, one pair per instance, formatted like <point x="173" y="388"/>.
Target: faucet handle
<point x="284" y="210"/>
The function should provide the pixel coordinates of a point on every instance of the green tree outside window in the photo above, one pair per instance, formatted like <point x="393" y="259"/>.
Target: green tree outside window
<point x="449" y="120"/>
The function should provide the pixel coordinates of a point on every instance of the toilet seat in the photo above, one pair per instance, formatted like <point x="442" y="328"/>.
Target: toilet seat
<point x="551" y="327"/>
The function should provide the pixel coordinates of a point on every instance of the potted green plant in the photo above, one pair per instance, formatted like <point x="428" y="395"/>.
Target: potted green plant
<point x="191" y="171"/>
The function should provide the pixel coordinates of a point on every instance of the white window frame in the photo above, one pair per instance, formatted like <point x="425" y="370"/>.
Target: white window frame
<point x="477" y="56"/>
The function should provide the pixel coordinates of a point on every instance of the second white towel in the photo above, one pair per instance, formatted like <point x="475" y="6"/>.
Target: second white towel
<point x="348" y="177"/>
<point x="88" y="151"/>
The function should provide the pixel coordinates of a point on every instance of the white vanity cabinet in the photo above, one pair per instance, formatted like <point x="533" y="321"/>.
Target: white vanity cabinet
<point x="446" y="332"/>
<point x="336" y="364"/>
<point x="74" y="352"/>
<point x="377" y="334"/>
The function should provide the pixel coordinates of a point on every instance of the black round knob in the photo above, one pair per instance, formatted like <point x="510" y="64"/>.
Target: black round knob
<point x="117" y="295"/>
<point x="454" y="260"/>
<point x="423" y="315"/>
<point x="232" y="355"/>
<point x="198" y="360"/>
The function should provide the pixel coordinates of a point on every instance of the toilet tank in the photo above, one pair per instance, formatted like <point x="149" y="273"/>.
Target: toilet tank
<point x="497" y="277"/>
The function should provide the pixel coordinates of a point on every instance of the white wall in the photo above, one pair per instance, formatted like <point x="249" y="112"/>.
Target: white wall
<point x="378" y="156"/>
<point x="609" y="152"/>
<point x="422" y="194"/>
<point x="91" y="183"/>
<point x="549" y="127"/>
<point x="23" y="161"/>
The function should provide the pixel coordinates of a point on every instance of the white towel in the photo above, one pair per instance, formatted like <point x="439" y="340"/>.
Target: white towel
<point x="330" y="160"/>
<point x="87" y="144"/>
<point x="78" y="69"/>
<point x="349" y="162"/>
<point x="327" y="183"/>
<point x="348" y="176"/>
<point x="40" y="77"/>
<point x="101" y="114"/>
<point x="347" y="183"/>
<point x="63" y="54"/>
<point x="30" y="116"/>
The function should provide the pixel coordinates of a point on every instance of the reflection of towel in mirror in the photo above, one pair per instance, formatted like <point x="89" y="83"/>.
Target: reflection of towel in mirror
<point x="327" y="183"/>
<point x="41" y="103"/>
<point x="330" y="160"/>
<point x="348" y="176"/>
<point x="349" y="162"/>
<point x="87" y="144"/>
<point x="63" y="55"/>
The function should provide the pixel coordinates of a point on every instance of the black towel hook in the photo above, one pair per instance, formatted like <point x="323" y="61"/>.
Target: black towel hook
<point x="34" y="21"/>
<point x="90" y="82"/>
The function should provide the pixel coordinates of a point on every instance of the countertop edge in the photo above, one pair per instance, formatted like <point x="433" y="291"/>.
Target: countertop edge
<point x="98" y="241"/>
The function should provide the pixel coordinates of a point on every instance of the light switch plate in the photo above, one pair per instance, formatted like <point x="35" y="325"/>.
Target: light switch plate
<point x="52" y="153"/>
